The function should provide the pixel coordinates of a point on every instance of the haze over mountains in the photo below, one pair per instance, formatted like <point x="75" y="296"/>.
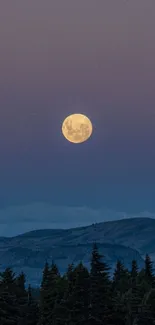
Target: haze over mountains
<point x="18" y="219"/>
<point x="122" y="239"/>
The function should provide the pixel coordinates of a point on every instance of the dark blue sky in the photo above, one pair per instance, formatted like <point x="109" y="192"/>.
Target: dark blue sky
<point x="58" y="59"/>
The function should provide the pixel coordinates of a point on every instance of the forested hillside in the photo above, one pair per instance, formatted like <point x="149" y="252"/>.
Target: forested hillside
<point x="81" y="297"/>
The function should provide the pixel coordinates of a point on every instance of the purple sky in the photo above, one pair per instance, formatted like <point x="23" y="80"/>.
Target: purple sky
<point x="93" y="57"/>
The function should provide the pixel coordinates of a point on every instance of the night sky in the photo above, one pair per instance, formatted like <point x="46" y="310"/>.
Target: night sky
<point x="62" y="57"/>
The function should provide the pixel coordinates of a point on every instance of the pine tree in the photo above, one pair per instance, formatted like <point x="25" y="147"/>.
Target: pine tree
<point x="134" y="270"/>
<point x="60" y="311"/>
<point x="54" y="276"/>
<point x="48" y="293"/>
<point x="21" y="298"/>
<point x="120" y="278"/>
<point x="149" y="277"/>
<point x="66" y="304"/>
<point x="99" y="288"/>
<point x="9" y="311"/>
<point x="133" y="295"/>
<point x="70" y="274"/>
<point x="44" y="297"/>
<point x="32" y="312"/>
<point x="143" y="284"/>
<point x="44" y="282"/>
<point x="79" y="298"/>
<point x="120" y="285"/>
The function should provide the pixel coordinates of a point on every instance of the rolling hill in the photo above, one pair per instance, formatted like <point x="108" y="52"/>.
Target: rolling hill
<point x="124" y="239"/>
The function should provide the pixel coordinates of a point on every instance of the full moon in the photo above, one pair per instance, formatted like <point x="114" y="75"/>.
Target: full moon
<point x="77" y="128"/>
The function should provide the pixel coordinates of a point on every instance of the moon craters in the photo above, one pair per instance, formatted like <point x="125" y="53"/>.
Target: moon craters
<point x="77" y="128"/>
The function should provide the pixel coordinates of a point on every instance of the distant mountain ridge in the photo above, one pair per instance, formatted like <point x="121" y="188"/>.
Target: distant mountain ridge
<point x="124" y="239"/>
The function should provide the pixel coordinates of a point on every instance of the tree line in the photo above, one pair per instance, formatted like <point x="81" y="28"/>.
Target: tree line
<point x="81" y="297"/>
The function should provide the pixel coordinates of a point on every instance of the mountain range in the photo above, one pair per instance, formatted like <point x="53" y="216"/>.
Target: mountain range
<point x="124" y="239"/>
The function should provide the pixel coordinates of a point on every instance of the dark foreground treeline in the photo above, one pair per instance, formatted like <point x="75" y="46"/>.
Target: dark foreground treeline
<point x="80" y="297"/>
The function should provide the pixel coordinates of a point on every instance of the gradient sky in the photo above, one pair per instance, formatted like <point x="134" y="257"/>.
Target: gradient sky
<point x="60" y="57"/>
